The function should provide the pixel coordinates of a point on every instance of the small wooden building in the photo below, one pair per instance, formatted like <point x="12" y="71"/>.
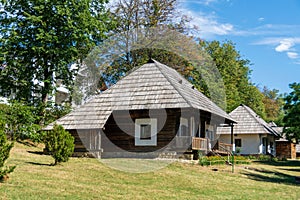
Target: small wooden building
<point x="151" y="111"/>
<point x="252" y="135"/>
<point x="285" y="149"/>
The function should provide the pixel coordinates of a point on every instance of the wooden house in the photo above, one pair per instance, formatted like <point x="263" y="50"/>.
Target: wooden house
<point x="151" y="111"/>
<point x="252" y="135"/>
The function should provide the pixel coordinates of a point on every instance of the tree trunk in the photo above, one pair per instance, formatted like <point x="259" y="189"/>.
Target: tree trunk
<point x="45" y="91"/>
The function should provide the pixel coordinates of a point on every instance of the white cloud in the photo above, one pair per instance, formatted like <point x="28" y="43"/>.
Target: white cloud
<point x="285" y="45"/>
<point x="207" y="25"/>
<point x="281" y="44"/>
<point x="292" y="55"/>
<point x="261" y="19"/>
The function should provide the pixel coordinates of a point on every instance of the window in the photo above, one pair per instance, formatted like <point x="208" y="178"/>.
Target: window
<point x="183" y="127"/>
<point x="145" y="132"/>
<point x="238" y="142"/>
<point x="193" y="132"/>
<point x="210" y="133"/>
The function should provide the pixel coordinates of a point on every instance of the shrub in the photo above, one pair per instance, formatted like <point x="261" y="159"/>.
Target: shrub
<point x="275" y="159"/>
<point x="238" y="150"/>
<point x="5" y="148"/>
<point x="252" y="157"/>
<point x="60" y="144"/>
<point x="241" y="160"/>
<point x="20" y="120"/>
<point x="263" y="157"/>
<point x="219" y="160"/>
<point x="23" y="121"/>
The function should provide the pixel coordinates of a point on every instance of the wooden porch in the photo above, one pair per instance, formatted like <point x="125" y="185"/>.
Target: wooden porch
<point x="203" y="144"/>
<point x="200" y="144"/>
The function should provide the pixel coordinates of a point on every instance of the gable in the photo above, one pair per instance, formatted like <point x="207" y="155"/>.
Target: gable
<point x="248" y="122"/>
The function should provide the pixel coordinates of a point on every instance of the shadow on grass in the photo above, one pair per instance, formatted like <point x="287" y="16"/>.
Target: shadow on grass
<point x="292" y="170"/>
<point x="271" y="176"/>
<point x="41" y="164"/>
<point x="290" y="163"/>
<point x="37" y="152"/>
<point x="27" y="143"/>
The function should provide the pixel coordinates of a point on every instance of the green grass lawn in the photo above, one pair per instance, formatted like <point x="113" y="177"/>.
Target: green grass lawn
<point x="84" y="178"/>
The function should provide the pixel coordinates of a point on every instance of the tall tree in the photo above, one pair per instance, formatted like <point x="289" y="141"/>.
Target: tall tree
<point x="292" y="113"/>
<point x="40" y="39"/>
<point x="142" y="14"/>
<point x="134" y="19"/>
<point x="273" y="103"/>
<point x="137" y="22"/>
<point x="235" y="73"/>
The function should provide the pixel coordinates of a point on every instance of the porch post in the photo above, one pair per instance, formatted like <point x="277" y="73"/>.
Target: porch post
<point x="231" y="134"/>
<point x="232" y="156"/>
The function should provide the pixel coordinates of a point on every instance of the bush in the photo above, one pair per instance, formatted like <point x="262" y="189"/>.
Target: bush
<point x="263" y="157"/>
<point x="60" y="144"/>
<point x="21" y="121"/>
<point x="5" y="148"/>
<point x="219" y="160"/>
<point x="241" y="160"/>
<point x="24" y="121"/>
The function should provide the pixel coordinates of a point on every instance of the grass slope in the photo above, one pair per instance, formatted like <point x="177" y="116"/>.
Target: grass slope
<point x="83" y="178"/>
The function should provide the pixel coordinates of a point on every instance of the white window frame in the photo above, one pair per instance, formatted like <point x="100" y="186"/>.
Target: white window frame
<point x="145" y="121"/>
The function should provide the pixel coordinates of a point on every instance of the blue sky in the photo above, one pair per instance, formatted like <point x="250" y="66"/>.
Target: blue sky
<point x="266" y="32"/>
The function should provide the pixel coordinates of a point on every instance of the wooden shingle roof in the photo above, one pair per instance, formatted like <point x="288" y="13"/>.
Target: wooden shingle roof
<point x="151" y="86"/>
<point x="248" y="122"/>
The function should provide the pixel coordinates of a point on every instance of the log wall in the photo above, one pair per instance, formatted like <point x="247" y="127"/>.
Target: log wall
<point x="87" y="143"/>
<point x="120" y="129"/>
<point x="285" y="149"/>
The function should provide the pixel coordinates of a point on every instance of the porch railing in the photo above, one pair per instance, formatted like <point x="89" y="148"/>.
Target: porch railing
<point x="200" y="143"/>
<point x="225" y="147"/>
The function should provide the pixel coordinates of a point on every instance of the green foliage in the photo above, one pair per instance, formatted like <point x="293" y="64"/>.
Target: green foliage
<point x="137" y="15"/>
<point x="219" y="160"/>
<point x="20" y="121"/>
<point x="5" y="148"/>
<point x="23" y="121"/>
<point x="237" y="150"/>
<point x="273" y="103"/>
<point x="291" y="119"/>
<point x="235" y="74"/>
<point x="264" y="158"/>
<point x="55" y="112"/>
<point x="41" y="39"/>
<point x="60" y="143"/>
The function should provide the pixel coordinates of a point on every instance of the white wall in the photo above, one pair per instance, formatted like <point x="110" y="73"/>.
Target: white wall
<point x="250" y="142"/>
